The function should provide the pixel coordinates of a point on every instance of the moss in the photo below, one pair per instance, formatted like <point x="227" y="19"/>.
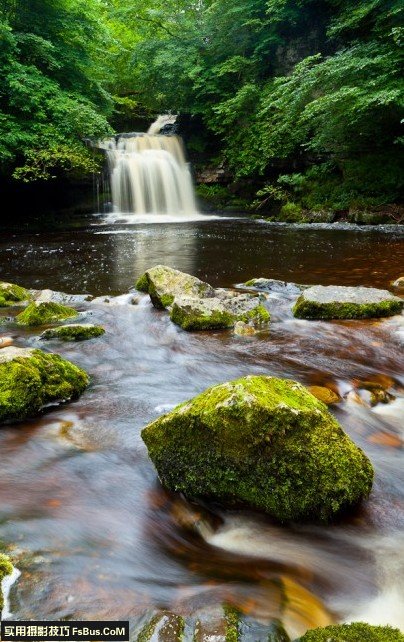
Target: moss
<point x="232" y="616"/>
<point x="142" y="284"/>
<point x="292" y="213"/>
<point x="168" y="626"/>
<point x="73" y="332"/>
<point x="29" y="382"/>
<point x="356" y="632"/>
<point x="259" y="315"/>
<point x="45" y="312"/>
<point x="6" y="568"/>
<point x="305" y="309"/>
<point x="261" y="441"/>
<point x="189" y="320"/>
<point x="11" y="294"/>
<point x="250" y="283"/>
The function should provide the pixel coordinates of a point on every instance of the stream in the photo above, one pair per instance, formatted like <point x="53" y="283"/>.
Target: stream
<point x="95" y="534"/>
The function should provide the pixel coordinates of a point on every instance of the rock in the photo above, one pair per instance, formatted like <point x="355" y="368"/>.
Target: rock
<point x="74" y="332"/>
<point x="5" y="342"/>
<point x="163" y="627"/>
<point x="6" y="568"/>
<point x="31" y="379"/>
<point x="163" y="284"/>
<point x="243" y="329"/>
<point x="398" y="284"/>
<point x="10" y="294"/>
<point x="276" y="286"/>
<point x="356" y="632"/>
<point x="264" y="442"/>
<point x="325" y="395"/>
<point x="216" y="313"/>
<point x="219" y="623"/>
<point x="339" y="302"/>
<point x="42" y="313"/>
<point x="52" y="296"/>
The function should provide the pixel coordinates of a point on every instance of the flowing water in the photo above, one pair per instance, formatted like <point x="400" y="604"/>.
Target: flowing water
<point x="94" y="534"/>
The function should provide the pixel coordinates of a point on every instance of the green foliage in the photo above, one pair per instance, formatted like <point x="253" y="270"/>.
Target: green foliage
<point x="356" y="632"/>
<point x="217" y="195"/>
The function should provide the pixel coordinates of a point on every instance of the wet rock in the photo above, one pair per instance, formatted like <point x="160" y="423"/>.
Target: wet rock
<point x="340" y="302"/>
<point x="264" y="442"/>
<point x="74" y="332"/>
<point x="163" y="627"/>
<point x="11" y="294"/>
<point x="52" y="296"/>
<point x="30" y="379"/>
<point x="325" y="395"/>
<point x="42" y="313"/>
<point x="243" y="329"/>
<point x="216" y="313"/>
<point x="276" y="286"/>
<point x="6" y="568"/>
<point x="220" y="623"/>
<point x="356" y="632"/>
<point x="164" y="284"/>
<point x="5" y="342"/>
<point x="398" y="284"/>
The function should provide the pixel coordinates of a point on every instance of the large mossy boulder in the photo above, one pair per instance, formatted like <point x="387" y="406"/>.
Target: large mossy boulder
<point x="42" y="313"/>
<point x="11" y="294"/>
<point x="264" y="442"/>
<point x="31" y="379"/>
<point x="74" y="332"/>
<point x="339" y="302"/>
<point x="356" y="632"/>
<point x="6" y="568"/>
<point x="163" y="284"/>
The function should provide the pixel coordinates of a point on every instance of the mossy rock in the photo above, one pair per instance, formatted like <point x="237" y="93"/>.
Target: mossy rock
<point x="42" y="313"/>
<point x="74" y="332"/>
<point x="263" y="442"/>
<point x="339" y="302"/>
<point x="356" y="632"/>
<point x="218" y="312"/>
<point x="10" y="294"/>
<point x="6" y="568"/>
<point x="31" y="379"/>
<point x="163" y="627"/>
<point x="164" y="284"/>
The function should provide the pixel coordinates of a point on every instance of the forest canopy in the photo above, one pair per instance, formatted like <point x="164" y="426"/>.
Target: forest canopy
<point x="302" y="96"/>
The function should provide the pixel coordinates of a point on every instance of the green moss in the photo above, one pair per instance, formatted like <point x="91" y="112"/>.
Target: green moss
<point x="262" y="441"/>
<point x="356" y="632"/>
<point x="11" y="294"/>
<point x="232" y="616"/>
<point x="168" y="627"/>
<point x="6" y="568"/>
<point x="304" y="309"/>
<point x="259" y="315"/>
<point x="250" y="283"/>
<point x="142" y="284"/>
<point x="292" y="213"/>
<point x="189" y="320"/>
<point x="27" y="383"/>
<point x="45" y="312"/>
<point x="73" y="332"/>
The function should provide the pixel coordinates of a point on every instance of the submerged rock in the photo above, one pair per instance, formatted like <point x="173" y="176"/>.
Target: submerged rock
<point x="74" y="332"/>
<point x="261" y="441"/>
<point x="30" y="379"/>
<point x="324" y="394"/>
<point x="52" y="296"/>
<point x="41" y="313"/>
<point x="195" y="305"/>
<point x="276" y="286"/>
<point x="398" y="284"/>
<point x="163" y="627"/>
<point x="164" y="284"/>
<point x="356" y="632"/>
<point x="10" y="294"/>
<point x="243" y="329"/>
<point x="339" y="302"/>
<point x="6" y="568"/>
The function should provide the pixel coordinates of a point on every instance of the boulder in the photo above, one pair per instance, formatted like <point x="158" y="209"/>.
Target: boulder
<point x="164" y="284"/>
<point x="42" y="313"/>
<point x="31" y="379"/>
<point x="356" y="632"/>
<point x="6" y="568"/>
<point x="264" y="442"/>
<point x="339" y="302"/>
<point x="74" y="332"/>
<point x="276" y="286"/>
<point x="53" y="296"/>
<point x="11" y="294"/>
<point x="163" y="627"/>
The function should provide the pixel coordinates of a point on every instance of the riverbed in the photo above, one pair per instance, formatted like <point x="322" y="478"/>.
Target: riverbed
<point x="95" y="535"/>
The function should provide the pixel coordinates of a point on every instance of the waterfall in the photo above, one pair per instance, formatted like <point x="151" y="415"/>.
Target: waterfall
<point x="149" y="174"/>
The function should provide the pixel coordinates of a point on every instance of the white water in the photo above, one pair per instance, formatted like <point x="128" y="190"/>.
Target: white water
<point x="6" y="584"/>
<point x="149" y="175"/>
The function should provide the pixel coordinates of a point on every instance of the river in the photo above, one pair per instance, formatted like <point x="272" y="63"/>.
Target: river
<point x="95" y="535"/>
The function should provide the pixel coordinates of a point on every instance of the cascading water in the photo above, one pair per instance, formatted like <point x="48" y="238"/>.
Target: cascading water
<point x="149" y="174"/>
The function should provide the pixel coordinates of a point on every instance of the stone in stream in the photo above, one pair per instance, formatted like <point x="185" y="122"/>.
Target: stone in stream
<point x="340" y="302"/>
<point x="53" y="296"/>
<point x="324" y="394"/>
<point x="263" y="442"/>
<point x="196" y="305"/>
<point x="276" y="286"/>
<point x="42" y="313"/>
<point x="74" y="332"/>
<point x="163" y="627"/>
<point x="398" y="284"/>
<point x="6" y="568"/>
<point x="355" y="632"/>
<point x="31" y="379"/>
<point x="11" y="294"/>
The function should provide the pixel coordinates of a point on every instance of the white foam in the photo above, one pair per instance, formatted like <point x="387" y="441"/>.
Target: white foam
<point x="6" y="584"/>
